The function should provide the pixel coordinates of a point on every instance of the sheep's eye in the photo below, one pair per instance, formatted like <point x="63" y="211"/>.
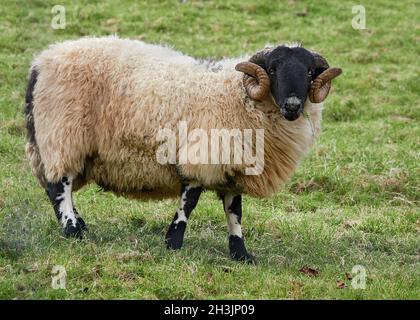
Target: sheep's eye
<point x="309" y="74"/>
<point x="272" y="71"/>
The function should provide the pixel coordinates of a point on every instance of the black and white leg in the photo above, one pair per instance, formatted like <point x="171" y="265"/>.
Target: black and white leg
<point x="190" y="193"/>
<point x="60" y="195"/>
<point x="233" y="209"/>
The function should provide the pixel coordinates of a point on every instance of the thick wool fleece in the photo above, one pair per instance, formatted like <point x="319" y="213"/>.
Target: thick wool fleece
<point x="100" y="102"/>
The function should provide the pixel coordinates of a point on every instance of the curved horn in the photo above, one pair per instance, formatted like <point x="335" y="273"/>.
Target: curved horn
<point x="256" y="81"/>
<point x="322" y="84"/>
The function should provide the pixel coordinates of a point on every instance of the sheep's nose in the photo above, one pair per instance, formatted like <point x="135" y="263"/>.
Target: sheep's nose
<point x="292" y="104"/>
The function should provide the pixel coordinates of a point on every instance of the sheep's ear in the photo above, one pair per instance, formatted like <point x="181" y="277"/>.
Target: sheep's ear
<point x="260" y="57"/>
<point x="321" y="64"/>
<point x="262" y="64"/>
<point x="318" y="71"/>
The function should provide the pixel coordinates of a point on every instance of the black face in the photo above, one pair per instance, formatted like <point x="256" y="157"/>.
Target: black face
<point x="291" y="71"/>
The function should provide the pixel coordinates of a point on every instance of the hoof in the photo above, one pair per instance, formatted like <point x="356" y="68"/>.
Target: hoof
<point x="173" y="244"/>
<point x="246" y="258"/>
<point x="82" y="224"/>
<point x="238" y="251"/>
<point x="175" y="236"/>
<point x="71" y="231"/>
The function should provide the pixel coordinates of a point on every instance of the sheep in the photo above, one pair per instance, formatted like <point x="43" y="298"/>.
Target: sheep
<point x="96" y="107"/>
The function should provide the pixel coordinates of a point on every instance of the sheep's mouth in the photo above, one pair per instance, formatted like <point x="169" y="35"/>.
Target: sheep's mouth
<point x="291" y="115"/>
<point x="292" y="107"/>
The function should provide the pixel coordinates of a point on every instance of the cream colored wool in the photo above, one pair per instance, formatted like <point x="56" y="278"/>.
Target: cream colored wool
<point x="100" y="102"/>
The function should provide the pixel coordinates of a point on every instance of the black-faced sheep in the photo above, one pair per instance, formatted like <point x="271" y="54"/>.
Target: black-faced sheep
<point x="96" y="108"/>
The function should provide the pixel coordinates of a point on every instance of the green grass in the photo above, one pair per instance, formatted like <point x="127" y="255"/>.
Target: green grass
<point x="354" y="200"/>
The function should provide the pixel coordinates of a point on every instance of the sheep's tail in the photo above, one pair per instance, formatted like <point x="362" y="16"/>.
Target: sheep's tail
<point x="32" y="150"/>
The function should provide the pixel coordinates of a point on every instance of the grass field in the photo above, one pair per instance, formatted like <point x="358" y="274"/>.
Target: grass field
<point x="354" y="201"/>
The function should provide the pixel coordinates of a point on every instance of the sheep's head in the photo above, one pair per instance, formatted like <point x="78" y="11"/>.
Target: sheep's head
<point x="291" y="75"/>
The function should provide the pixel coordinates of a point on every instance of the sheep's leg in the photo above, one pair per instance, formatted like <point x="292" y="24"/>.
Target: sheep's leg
<point x="60" y="195"/>
<point x="190" y="193"/>
<point x="233" y="210"/>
